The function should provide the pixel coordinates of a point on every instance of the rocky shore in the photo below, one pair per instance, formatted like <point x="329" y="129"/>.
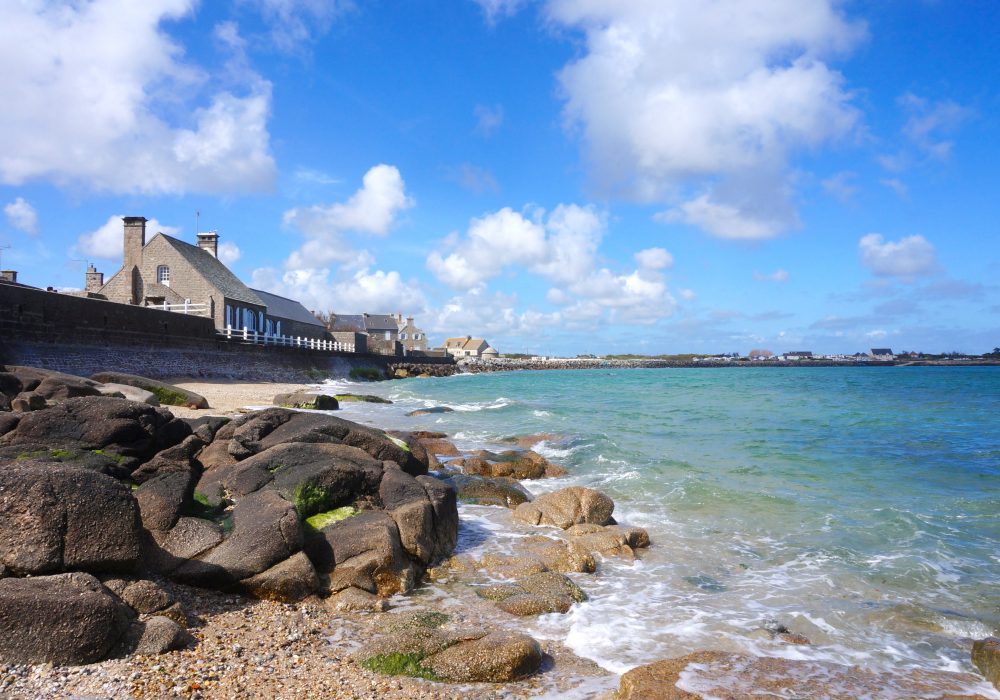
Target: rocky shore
<point x="198" y="550"/>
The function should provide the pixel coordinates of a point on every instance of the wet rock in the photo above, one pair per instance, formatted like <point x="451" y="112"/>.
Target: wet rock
<point x="62" y="619"/>
<point x="444" y="508"/>
<point x="986" y="657"/>
<point x="55" y="518"/>
<point x="167" y="394"/>
<point x="567" y="507"/>
<point x="540" y="593"/>
<point x="353" y="599"/>
<point x="486" y="491"/>
<point x="559" y="555"/>
<point x="363" y="398"/>
<point x="512" y="566"/>
<point x="725" y="675"/>
<point x="609" y="541"/>
<point x="301" y="399"/>
<point x="436" y="444"/>
<point x="512" y="465"/>
<point x="498" y="657"/>
<point x="431" y="411"/>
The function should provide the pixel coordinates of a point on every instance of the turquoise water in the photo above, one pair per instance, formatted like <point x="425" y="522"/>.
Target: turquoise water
<point x="859" y="507"/>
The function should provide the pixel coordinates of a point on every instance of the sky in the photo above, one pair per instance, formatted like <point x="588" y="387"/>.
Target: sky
<point x="557" y="176"/>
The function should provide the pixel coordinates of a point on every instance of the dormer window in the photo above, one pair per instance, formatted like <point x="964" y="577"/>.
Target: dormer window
<point x="163" y="275"/>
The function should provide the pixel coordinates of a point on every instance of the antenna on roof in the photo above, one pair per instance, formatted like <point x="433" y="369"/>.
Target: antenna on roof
<point x="197" y="222"/>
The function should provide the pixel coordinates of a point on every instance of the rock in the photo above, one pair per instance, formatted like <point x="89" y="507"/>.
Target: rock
<point x="179" y="458"/>
<point x="300" y="399"/>
<point x="62" y="619"/>
<point x="612" y="540"/>
<point x="167" y="394"/>
<point x="165" y="551"/>
<point x="287" y="582"/>
<point x="485" y="491"/>
<point x="498" y="657"/>
<point x="206" y="427"/>
<point x="266" y="531"/>
<point x="511" y="465"/>
<point x="55" y="517"/>
<point x="567" y="507"/>
<point x="363" y="551"/>
<point x="528" y="442"/>
<point x="122" y="428"/>
<point x="444" y="506"/>
<point x="162" y="498"/>
<point x="158" y="635"/>
<point x="259" y="431"/>
<point x="986" y="657"/>
<point x="725" y="675"/>
<point x="131" y="393"/>
<point x="10" y="385"/>
<point x="27" y="401"/>
<point x="8" y="421"/>
<point x="353" y="599"/>
<point x="437" y="445"/>
<point x="512" y="566"/>
<point x="364" y="398"/>
<point x="531" y="604"/>
<point x="431" y="410"/>
<point x="559" y="555"/>
<point x="540" y="593"/>
<point x="57" y="389"/>
<point x="144" y="596"/>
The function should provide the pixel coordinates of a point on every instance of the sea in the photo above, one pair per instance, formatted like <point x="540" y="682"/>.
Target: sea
<point x="858" y="507"/>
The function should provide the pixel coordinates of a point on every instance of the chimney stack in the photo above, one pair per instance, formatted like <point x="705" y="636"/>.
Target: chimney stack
<point x="135" y="239"/>
<point x="95" y="279"/>
<point x="8" y="275"/>
<point x="209" y="242"/>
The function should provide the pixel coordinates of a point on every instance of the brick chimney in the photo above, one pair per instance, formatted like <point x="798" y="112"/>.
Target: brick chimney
<point x="135" y="239"/>
<point x="95" y="279"/>
<point x="8" y="275"/>
<point x="209" y="242"/>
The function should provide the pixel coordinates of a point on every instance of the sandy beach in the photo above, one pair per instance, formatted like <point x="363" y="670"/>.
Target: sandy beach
<point x="228" y="397"/>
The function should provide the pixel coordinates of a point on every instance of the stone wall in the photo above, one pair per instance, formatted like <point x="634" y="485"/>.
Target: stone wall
<point x="83" y="336"/>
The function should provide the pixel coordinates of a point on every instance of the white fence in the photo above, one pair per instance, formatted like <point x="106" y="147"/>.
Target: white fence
<point x="185" y="308"/>
<point x="284" y="341"/>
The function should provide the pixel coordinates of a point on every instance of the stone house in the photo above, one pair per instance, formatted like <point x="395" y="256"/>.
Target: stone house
<point x="383" y="333"/>
<point x="469" y="347"/>
<point x="882" y="354"/>
<point x="410" y="336"/>
<point x="166" y="270"/>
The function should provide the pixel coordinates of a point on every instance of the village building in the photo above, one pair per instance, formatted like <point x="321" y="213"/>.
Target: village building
<point x="470" y="347"/>
<point x="383" y="333"/>
<point x="760" y="354"/>
<point x="171" y="274"/>
<point x="410" y="336"/>
<point x="882" y="354"/>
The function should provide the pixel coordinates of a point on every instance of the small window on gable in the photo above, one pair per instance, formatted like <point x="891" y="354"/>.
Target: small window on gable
<point x="388" y="335"/>
<point x="163" y="275"/>
<point x="402" y="336"/>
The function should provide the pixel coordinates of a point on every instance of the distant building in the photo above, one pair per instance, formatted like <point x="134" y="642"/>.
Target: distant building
<point x="469" y="347"/>
<point x="172" y="274"/>
<point x="410" y="336"/>
<point x="761" y="354"/>
<point x="798" y="355"/>
<point x="883" y="354"/>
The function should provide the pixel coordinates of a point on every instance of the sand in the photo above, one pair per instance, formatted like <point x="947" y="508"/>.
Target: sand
<point x="228" y="397"/>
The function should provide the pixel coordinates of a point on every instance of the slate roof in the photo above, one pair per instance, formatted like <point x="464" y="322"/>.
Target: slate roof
<point x="380" y="322"/>
<point x="348" y="323"/>
<point x="881" y="351"/>
<point x="283" y="307"/>
<point x="214" y="271"/>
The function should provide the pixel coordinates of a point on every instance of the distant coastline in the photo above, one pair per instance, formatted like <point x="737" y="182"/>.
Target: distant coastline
<point x="510" y="364"/>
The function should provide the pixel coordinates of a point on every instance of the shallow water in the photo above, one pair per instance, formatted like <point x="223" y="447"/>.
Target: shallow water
<point x="859" y="507"/>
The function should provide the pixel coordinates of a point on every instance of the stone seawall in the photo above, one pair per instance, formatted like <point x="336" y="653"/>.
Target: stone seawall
<point x="83" y="336"/>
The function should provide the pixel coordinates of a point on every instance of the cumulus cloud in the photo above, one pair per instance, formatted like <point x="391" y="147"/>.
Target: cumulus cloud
<point x="107" y="87"/>
<point x="229" y="252"/>
<point x="371" y="210"/>
<point x="560" y="247"/>
<point x="691" y="103"/>
<point x="364" y="290"/>
<point x="905" y="259"/>
<point x="107" y="241"/>
<point x="488" y="119"/>
<point x="22" y="216"/>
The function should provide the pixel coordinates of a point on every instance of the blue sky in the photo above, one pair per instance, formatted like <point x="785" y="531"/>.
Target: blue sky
<point x="559" y="176"/>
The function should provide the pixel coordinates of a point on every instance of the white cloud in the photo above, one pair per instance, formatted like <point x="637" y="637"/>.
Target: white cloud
<point x="897" y="186"/>
<point x="488" y="119"/>
<point x="370" y="210"/>
<point x="108" y="89"/>
<point x="929" y="121"/>
<point x="320" y="289"/>
<point x="654" y="259"/>
<point x="107" y="241"/>
<point x="688" y="294"/>
<point x="905" y="259"/>
<point x="673" y="96"/>
<point x="841" y="186"/>
<point x="499" y="9"/>
<point x="22" y="216"/>
<point x="474" y="178"/>
<point x="778" y="275"/>
<point x="293" y="23"/>
<point x="229" y="252"/>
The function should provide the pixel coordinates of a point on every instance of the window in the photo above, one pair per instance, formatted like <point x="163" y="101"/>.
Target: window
<point x="402" y="336"/>
<point x="388" y="335"/>
<point x="163" y="275"/>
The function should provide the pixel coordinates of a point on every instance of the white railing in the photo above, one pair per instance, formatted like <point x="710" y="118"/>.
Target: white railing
<point x="284" y="341"/>
<point x="185" y="308"/>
